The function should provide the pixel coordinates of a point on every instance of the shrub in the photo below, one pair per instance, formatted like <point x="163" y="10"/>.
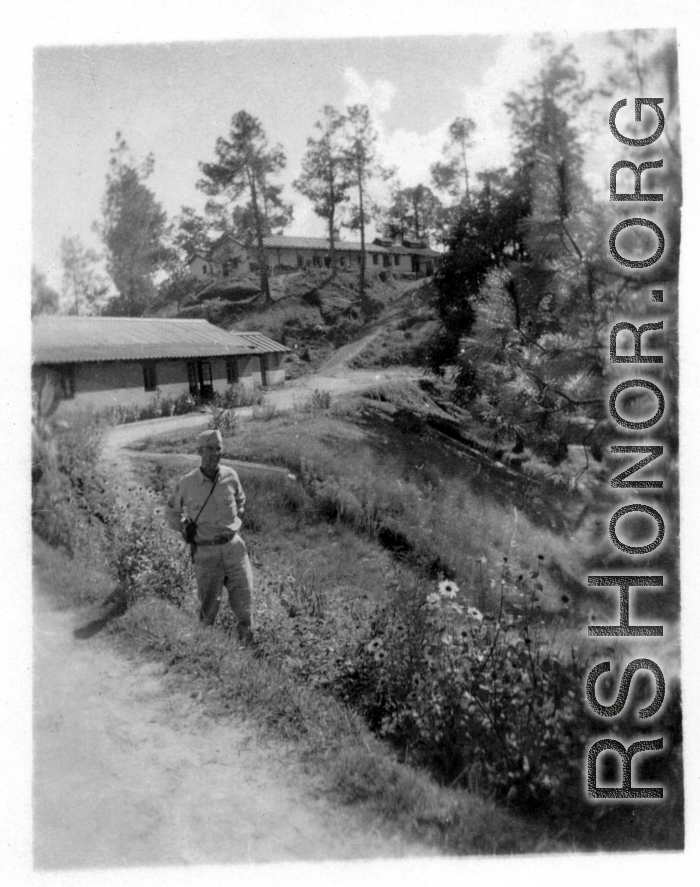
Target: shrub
<point x="123" y="414"/>
<point x="238" y="395"/>
<point x="264" y="411"/>
<point x="223" y="420"/>
<point x="481" y="699"/>
<point x="143" y="553"/>
<point x="318" y="400"/>
<point x="68" y="493"/>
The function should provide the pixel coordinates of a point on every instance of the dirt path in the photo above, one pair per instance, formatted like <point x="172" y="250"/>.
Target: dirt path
<point x="128" y="773"/>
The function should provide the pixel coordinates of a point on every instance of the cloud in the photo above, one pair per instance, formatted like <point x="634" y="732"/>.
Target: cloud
<point x="378" y="96"/>
<point x="516" y="64"/>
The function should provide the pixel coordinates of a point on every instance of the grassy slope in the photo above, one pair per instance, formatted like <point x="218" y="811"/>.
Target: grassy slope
<point x="447" y="511"/>
<point x="312" y="313"/>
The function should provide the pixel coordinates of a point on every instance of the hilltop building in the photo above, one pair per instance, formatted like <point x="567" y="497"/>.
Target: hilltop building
<point x="100" y="362"/>
<point x="230" y="257"/>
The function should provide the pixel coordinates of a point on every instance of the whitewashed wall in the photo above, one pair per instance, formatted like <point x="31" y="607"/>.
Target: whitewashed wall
<point x="99" y="386"/>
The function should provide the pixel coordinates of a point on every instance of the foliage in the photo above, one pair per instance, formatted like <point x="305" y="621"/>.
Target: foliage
<point x="362" y="160"/>
<point x="486" y="235"/>
<point x="190" y="233"/>
<point x="243" y="166"/>
<point x="144" y="555"/>
<point x="69" y="496"/>
<point x="448" y="175"/>
<point x="525" y="295"/>
<point x="123" y="414"/>
<point x="45" y="300"/>
<point x="223" y="420"/>
<point x="264" y="411"/>
<point x="132" y="230"/>
<point x="414" y="213"/>
<point x="84" y="288"/>
<point x="324" y="178"/>
<point x="319" y="400"/>
<point x="180" y="286"/>
<point x="239" y="395"/>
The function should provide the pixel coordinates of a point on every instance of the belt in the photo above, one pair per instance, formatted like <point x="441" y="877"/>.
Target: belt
<point x="217" y="540"/>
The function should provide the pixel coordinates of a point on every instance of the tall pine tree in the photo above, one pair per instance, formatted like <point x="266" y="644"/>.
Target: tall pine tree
<point x="325" y="176"/>
<point x="535" y="355"/>
<point x="132" y="230"/>
<point x="244" y="163"/>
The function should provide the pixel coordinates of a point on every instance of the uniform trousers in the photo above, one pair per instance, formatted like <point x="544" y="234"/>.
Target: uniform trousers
<point x="219" y="566"/>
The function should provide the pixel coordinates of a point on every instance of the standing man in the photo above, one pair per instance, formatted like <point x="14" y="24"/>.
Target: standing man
<point x="206" y="508"/>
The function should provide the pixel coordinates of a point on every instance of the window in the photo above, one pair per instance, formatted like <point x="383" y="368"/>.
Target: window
<point x="316" y="261"/>
<point x="387" y="260"/>
<point x="204" y="268"/>
<point x="327" y="261"/>
<point x="229" y="265"/>
<point x="66" y="381"/>
<point x="375" y="258"/>
<point x="300" y="261"/>
<point x="150" y="380"/>
<point x="397" y="259"/>
<point x="231" y="371"/>
<point x="342" y="261"/>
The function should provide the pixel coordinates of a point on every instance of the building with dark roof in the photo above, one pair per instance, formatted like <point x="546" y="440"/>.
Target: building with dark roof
<point x="105" y="361"/>
<point x="231" y="257"/>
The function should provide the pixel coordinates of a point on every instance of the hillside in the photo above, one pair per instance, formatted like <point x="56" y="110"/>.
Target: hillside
<point x="316" y="314"/>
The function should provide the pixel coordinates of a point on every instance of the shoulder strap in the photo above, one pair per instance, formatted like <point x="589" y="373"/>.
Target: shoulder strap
<point x="207" y="499"/>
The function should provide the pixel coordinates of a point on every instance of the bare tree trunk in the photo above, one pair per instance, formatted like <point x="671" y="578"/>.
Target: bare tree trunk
<point x="362" y="239"/>
<point x="262" y="260"/>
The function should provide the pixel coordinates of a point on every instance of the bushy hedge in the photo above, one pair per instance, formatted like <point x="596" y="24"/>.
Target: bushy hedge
<point x="69" y="495"/>
<point x="158" y="407"/>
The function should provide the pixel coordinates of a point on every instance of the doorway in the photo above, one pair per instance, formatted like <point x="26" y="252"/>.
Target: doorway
<point x="200" y="379"/>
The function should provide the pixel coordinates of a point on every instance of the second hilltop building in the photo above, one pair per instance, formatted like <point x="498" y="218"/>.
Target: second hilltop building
<point x="231" y="257"/>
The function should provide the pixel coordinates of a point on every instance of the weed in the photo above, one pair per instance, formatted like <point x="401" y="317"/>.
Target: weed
<point x="264" y="411"/>
<point x="238" y="395"/>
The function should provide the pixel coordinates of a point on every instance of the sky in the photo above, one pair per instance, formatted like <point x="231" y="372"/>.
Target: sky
<point x="173" y="99"/>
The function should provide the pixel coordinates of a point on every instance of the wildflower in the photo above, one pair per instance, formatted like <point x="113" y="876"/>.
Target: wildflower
<point x="463" y="635"/>
<point x="400" y="629"/>
<point x="448" y="589"/>
<point x="473" y="613"/>
<point x="374" y="645"/>
<point x="565" y="599"/>
<point x="433" y="599"/>
<point x="379" y="655"/>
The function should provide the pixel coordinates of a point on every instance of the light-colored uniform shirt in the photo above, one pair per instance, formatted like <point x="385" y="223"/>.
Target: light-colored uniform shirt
<point x="221" y="515"/>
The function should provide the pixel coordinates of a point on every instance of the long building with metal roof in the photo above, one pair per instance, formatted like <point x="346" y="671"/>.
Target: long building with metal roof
<point x="231" y="257"/>
<point x="104" y="361"/>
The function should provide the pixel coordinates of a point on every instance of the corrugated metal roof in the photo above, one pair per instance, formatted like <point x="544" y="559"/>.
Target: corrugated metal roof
<point x="260" y="343"/>
<point x="282" y="241"/>
<point x="90" y="339"/>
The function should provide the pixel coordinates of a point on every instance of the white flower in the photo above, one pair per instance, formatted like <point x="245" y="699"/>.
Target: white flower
<point x="433" y="599"/>
<point x="473" y="613"/>
<point x="448" y="589"/>
<point x="374" y="645"/>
